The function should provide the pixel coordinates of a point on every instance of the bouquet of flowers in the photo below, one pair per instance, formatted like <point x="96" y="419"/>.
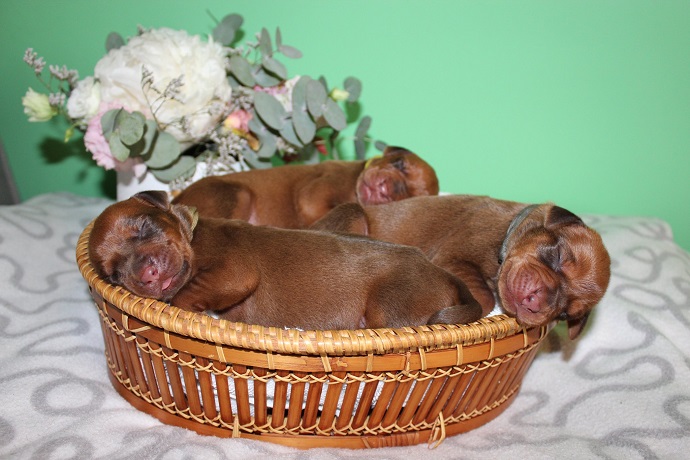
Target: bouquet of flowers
<point x="164" y="100"/>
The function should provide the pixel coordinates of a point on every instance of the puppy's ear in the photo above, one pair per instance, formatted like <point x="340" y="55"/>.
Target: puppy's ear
<point x="188" y="216"/>
<point x="344" y="218"/>
<point x="392" y="150"/>
<point x="575" y="326"/>
<point x="157" y="198"/>
<point x="558" y="216"/>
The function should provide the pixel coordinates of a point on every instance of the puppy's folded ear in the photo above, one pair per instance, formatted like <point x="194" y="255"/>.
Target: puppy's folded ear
<point x="157" y="198"/>
<point x="558" y="216"/>
<point x="344" y="218"/>
<point x="392" y="150"/>
<point x="575" y="326"/>
<point x="188" y="216"/>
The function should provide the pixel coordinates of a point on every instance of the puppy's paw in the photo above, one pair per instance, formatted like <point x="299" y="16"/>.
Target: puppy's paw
<point x="457" y="314"/>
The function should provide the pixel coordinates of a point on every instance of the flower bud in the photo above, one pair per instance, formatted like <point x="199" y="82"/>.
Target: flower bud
<point x="339" y="94"/>
<point x="37" y="106"/>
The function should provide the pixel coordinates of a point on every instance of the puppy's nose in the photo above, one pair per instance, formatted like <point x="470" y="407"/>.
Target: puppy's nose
<point x="383" y="186"/>
<point x="533" y="300"/>
<point x="149" y="274"/>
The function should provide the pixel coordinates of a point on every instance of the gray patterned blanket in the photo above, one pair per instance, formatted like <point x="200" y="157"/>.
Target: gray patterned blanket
<point x="621" y="391"/>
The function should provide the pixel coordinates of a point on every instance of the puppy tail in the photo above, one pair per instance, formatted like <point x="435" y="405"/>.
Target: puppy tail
<point x="457" y="314"/>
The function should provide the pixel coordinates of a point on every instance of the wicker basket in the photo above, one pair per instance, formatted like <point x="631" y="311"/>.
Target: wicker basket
<point x="350" y="388"/>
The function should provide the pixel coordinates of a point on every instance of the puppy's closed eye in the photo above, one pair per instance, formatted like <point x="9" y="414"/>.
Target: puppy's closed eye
<point x="399" y="164"/>
<point x="551" y="256"/>
<point x="142" y="228"/>
<point x="146" y="229"/>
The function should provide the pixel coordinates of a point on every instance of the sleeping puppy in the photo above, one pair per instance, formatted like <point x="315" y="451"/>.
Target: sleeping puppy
<point x="539" y="262"/>
<point x="295" y="196"/>
<point x="269" y="276"/>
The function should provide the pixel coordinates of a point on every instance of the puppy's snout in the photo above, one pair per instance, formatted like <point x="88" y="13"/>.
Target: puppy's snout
<point x="533" y="301"/>
<point x="147" y="269"/>
<point x="149" y="274"/>
<point x="382" y="186"/>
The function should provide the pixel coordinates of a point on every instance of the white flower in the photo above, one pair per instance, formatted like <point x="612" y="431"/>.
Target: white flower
<point x="37" y="106"/>
<point x="171" y="57"/>
<point x="285" y="97"/>
<point x="84" y="100"/>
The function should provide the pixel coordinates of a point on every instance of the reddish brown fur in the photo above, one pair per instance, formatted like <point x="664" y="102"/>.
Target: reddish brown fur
<point x="555" y="266"/>
<point x="295" y="196"/>
<point x="270" y="276"/>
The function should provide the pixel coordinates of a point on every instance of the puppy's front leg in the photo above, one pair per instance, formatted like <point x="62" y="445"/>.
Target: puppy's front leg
<point x="457" y="314"/>
<point x="472" y="278"/>
<point x="216" y="290"/>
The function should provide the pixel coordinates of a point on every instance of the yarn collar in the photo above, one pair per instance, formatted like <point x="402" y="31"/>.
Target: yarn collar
<point x="515" y="223"/>
<point x="368" y="162"/>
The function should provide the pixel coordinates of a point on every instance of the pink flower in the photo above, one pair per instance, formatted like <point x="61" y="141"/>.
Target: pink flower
<point x="96" y="143"/>
<point x="238" y="121"/>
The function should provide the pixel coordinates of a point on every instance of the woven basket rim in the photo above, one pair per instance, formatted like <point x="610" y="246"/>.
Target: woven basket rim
<point x="200" y="326"/>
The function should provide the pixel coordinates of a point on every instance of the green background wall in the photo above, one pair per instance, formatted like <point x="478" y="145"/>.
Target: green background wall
<point x="583" y="102"/>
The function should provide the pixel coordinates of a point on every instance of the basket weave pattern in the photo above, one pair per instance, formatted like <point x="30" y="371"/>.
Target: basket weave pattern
<point x="354" y="388"/>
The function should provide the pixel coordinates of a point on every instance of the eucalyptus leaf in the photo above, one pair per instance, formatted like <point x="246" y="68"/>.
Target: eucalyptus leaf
<point x="108" y="122"/>
<point x="164" y="151"/>
<point x="316" y="98"/>
<point x="265" y="43"/>
<point x="268" y="144"/>
<point x="114" y="41"/>
<point x="288" y="133"/>
<point x="270" y="110"/>
<point x="363" y="128"/>
<point x="274" y="66"/>
<point x="279" y="38"/>
<point x="360" y="149"/>
<point x="242" y="70"/>
<point x="224" y="33"/>
<point x="289" y="51"/>
<point x="183" y="167"/>
<point x="119" y="150"/>
<point x="334" y="115"/>
<point x="354" y="87"/>
<point x="380" y="145"/>
<point x="234" y="82"/>
<point x="263" y="78"/>
<point x="254" y="161"/>
<point x="150" y="134"/>
<point x="143" y="144"/>
<point x="334" y="147"/>
<point x="267" y="140"/>
<point x="299" y="94"/>
<point x="304" y="126"/>
<point x="130" y="126"/>
<point x="257" y="127"/>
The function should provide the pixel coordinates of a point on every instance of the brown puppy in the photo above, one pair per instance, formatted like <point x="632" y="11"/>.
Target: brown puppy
<point x="270" y="276"/>
<point x="540" y="262"/>
<point x="295" y="196"/>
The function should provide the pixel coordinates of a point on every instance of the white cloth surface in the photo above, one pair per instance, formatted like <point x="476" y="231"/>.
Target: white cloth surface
<point x="621" y="391"/>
